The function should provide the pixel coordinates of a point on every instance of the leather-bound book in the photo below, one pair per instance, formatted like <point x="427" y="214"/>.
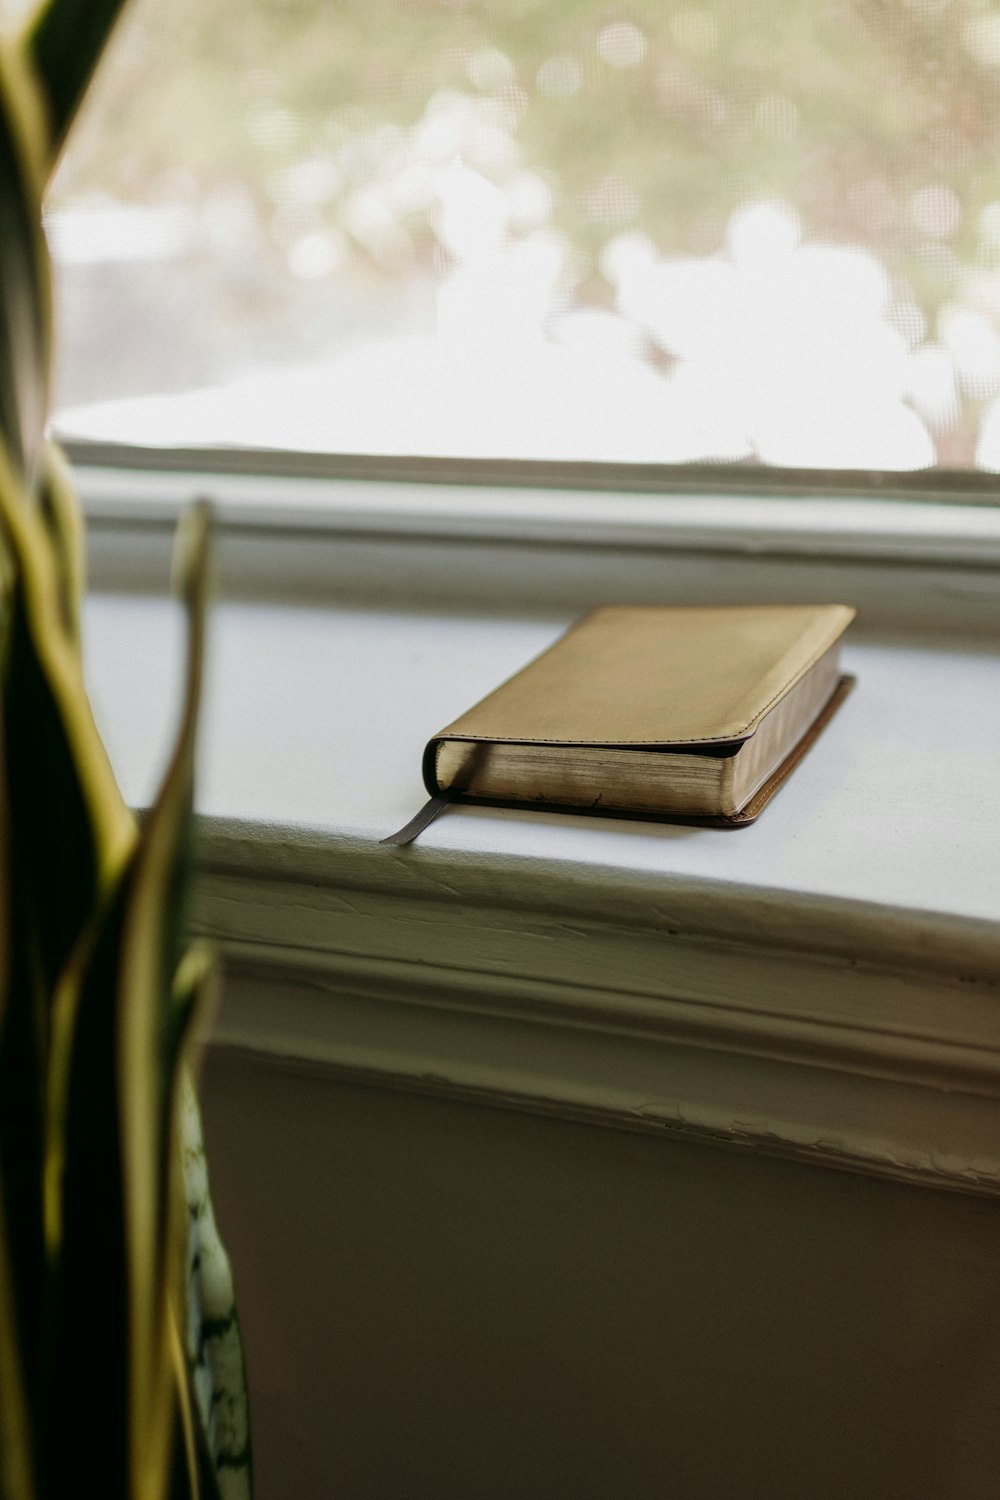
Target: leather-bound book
<point x="666" y="712"/>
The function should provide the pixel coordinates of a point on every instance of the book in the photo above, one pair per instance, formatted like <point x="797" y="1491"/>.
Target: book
<point x="650" y="711"/>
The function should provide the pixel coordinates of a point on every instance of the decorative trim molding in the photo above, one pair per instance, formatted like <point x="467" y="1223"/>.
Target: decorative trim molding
<point x="848" y="1035"/>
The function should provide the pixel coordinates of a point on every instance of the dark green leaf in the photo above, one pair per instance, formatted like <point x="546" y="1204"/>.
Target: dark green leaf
<point x="24" y="289"/>
<point x="66" y="40"/>
<point x="87" y="1398"/>
<point x="60" y="513"/>
<point x="17" y="1479"/>
<point x="51" y="837"/>
<point x="51" y="891"/>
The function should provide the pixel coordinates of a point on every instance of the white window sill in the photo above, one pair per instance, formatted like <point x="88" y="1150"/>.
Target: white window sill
<point x="825" y="982"/>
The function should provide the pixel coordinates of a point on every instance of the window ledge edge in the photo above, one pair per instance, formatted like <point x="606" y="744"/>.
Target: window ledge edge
<point x="846" y="1034"/>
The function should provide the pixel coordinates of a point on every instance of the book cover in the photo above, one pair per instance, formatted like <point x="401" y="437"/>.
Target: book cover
<point x="661" y="711"/>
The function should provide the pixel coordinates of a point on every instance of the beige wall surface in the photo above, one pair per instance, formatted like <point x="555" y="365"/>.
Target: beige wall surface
<point x="462" y="1302"/>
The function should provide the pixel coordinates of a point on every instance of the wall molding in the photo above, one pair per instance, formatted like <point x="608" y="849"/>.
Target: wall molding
<point x="846" y="1034"/>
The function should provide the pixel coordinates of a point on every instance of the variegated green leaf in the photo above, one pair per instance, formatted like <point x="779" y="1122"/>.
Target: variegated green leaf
<point x="117" y="1277"/>
<point x="215" y="1346"/>
<point x="60" y="513"/>
<point x="81" y="826"/>
<point x="25" y="294"/>
<point x="54" y="866"/>
<point x="95" y="993"/>
<point x="65" y="39"/>
<point x="87" y="1415"/>
<point x="162" y="992"/>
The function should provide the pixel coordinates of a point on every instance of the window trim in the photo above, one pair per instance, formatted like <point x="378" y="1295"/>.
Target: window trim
<point x="938" y="486"/>
<point x="446" y="535"/>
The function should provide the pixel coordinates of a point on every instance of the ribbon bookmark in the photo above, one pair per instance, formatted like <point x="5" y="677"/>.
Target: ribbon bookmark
<point x="422" y="820"/>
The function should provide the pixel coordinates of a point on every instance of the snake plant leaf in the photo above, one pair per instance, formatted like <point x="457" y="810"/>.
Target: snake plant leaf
<point x="113" y="1288"/>
<point x="54" y="831"/>
<point x="120" y="1044"/>
<point x="60" y="513"/>
<point x="80" y="829"/>
<point x="49" y="736"/>
<point x="88" y="1416"/>
<point x="25" y="290"/>
<point x="65" y="39"/>
<point x="215" y="1346"/>
<point x="117" y="1251"/>
<point x="153" y="1031"/>
<point x="17" y="1480"/>
<point x="155" y="938"/>
<point x="98" y="1001"/>
<point x="42" y="918"/>
<point x="22" y="1136"/>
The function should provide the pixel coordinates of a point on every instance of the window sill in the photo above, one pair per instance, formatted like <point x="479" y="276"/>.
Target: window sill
<point x="824" y="983"/>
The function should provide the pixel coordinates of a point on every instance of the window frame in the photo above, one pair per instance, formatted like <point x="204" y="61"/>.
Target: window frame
<point x="919" y="552"/>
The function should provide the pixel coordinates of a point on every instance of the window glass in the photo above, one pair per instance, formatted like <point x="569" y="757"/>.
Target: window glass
<point x="758" y="230"/>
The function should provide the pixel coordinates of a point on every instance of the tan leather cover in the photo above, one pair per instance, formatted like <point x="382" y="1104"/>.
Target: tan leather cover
<point x="650" y="675"/>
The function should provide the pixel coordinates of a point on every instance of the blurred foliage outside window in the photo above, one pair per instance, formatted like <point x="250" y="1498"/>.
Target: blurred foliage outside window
<point x="735" y="229"/>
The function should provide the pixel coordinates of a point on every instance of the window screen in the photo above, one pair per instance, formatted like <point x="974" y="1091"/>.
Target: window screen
<point x="753" y="230"/>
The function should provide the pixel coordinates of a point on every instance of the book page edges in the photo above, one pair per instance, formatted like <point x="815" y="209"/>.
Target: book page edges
<point x="716" y="781"/>
<point x="753" y="809"/>
<point x="747" y="815"/>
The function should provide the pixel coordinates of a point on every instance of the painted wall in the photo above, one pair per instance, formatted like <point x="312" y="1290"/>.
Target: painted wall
<point x="459" y="1302"/>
